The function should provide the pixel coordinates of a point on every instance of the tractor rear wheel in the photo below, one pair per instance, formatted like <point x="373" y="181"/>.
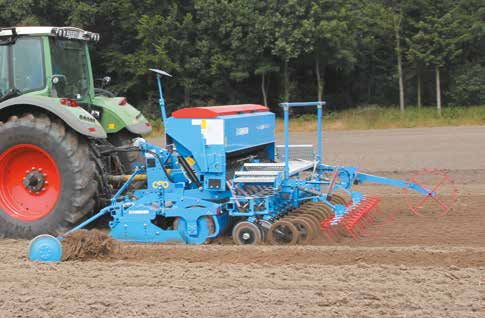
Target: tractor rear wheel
<point x="47" y="177"/>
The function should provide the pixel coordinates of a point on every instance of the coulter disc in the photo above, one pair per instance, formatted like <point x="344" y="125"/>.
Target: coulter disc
<point x="283" y="232"/>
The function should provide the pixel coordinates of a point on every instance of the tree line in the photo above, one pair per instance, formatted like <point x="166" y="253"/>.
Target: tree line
<point x="352" y="52"/>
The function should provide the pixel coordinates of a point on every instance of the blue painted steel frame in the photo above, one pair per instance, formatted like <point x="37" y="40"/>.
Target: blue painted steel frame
<point x="286" y="108"/>
<point x="161" y="100"/>
<point x="132" y="219"/>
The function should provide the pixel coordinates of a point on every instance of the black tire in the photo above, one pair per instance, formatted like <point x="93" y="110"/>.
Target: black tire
<point x="71" y="154"/>
<point x="128" y="159"/>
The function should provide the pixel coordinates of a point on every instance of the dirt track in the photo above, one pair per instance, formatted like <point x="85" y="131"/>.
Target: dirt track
<point x="411" y="267"/>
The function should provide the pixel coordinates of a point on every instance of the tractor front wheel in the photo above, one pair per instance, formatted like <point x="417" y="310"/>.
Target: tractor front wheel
<point x="47" y="177"/>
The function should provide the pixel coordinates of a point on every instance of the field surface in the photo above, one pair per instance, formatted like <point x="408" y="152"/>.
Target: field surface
<point x="428" y="266"/>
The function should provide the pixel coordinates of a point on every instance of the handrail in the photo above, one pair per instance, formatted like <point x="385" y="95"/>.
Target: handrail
<point x="303" y="104"/>
<point x="286" y="107"/>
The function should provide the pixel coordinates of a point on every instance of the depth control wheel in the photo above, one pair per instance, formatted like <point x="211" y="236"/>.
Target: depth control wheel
<point x="247" y="233"/>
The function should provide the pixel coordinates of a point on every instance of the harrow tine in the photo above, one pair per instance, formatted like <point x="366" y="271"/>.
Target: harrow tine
<point x="354" y="222"/>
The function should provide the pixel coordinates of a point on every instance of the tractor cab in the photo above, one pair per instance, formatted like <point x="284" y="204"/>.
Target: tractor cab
<point x="46" y="61"/>
<point x="54" y="62"/>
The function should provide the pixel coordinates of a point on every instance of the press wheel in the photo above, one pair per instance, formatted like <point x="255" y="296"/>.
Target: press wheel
<point x="247" y="233"/>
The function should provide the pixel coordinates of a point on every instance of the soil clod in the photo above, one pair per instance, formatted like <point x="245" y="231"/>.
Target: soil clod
<point x="85" y="245"/>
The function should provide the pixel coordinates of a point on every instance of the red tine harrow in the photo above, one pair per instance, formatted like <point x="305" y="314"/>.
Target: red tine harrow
<point x="356" y="218"/>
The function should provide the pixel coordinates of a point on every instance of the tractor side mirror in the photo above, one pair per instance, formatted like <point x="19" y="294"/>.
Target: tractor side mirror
<point x="58" y="78"/>
<point x="104" y="81"/>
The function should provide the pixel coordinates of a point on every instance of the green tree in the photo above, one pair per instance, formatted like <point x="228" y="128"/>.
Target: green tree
<point x="436" y="43"/>
<point x="330" y="38"/>
<point x="229" y="51"/>
<point x="285" y="20"/>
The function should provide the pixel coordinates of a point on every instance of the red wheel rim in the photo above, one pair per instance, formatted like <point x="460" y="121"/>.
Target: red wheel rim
<point x="30" y="183"/>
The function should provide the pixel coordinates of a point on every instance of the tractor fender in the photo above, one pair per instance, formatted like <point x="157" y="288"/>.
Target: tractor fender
<point x="118" y="114"/>
<point x="75" y="117"/>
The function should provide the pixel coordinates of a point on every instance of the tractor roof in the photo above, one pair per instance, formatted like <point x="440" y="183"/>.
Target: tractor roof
<point x="64" y="32"/>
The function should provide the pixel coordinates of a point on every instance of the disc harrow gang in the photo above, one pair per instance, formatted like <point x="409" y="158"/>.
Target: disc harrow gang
<point x="316" y="220"/>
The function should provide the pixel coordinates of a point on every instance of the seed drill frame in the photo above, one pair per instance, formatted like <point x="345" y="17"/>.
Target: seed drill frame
<point x="220" y="170"/>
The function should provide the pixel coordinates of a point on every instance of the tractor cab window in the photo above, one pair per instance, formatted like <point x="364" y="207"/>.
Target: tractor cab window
<point x="70" y="63"/>
<point x="28" y="66"/>
<point x="4" y="80"/>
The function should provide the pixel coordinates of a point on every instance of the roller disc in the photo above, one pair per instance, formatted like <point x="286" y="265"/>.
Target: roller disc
<point x="305" y="228"/>
<point x="283" y="232"/>
<point x="338" y="199"/>
<point x="316" y="213"/>
<point x="320" y="211"/>
<point x="314" y="221"/>
<point x="247" y="233"/>
<point x="310" y="203"/>
<point x="328" y="211"/>
<point x="305" y="209"/>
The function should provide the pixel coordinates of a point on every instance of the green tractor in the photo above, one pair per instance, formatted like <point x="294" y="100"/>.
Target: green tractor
<point x="55" y="131"/>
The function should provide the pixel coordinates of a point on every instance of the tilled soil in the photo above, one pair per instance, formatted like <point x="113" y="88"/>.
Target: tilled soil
<point x="415" y="267"/>
<point x="428" y="266"/>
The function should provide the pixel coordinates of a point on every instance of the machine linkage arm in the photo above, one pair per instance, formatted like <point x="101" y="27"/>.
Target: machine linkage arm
<point x="364" y="177"/>
<point x="109" y="207"/>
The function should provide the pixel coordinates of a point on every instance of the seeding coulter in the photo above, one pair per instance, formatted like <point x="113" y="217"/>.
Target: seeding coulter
<point x="221" y="170"/>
